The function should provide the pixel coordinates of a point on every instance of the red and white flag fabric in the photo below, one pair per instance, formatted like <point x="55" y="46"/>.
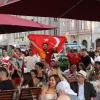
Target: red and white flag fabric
<point x="52" y="41"/>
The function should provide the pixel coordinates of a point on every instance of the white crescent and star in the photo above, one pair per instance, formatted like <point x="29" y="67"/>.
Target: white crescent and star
<point x="46" y="39"/>
<point x="57" y="41"/>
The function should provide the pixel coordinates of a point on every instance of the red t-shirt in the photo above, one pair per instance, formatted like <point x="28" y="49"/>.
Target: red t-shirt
<point x="74" y="58"/>
<point x="49" y="53"/>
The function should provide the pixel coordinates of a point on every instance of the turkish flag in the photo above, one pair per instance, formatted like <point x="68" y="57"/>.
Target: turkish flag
<point x="52" y="41"/>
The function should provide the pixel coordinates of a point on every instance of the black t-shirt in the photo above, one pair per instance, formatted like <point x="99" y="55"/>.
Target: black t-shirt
<point x="86" y="60"/>
<point x="6" y="85"/>
<point x="91" y="54"/>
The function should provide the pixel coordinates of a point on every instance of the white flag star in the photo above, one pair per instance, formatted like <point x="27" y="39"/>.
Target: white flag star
<point x="46" y="40"/>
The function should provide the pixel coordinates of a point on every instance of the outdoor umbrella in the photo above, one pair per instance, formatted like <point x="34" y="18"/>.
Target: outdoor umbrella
<point x="74" y="9"/>
<point x="12" y="24"/>
<point x="6" y="2"/>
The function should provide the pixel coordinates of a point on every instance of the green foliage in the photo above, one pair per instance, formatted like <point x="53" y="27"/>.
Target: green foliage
<point x="64" y="63"/>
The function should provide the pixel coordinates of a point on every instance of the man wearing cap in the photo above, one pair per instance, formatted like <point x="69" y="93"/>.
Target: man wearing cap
<point x="84" y="90"/>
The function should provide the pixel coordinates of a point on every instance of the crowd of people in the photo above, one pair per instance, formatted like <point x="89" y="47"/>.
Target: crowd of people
<point x="79" y="81"/>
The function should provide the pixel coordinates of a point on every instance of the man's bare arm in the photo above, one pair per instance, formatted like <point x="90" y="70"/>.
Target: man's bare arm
<point x="34" y="44"/>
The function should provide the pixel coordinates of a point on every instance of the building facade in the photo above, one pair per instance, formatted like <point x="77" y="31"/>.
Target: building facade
<point x="84" y="33"/>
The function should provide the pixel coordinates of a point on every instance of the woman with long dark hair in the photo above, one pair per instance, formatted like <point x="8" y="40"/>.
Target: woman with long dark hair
<point x="49" y="91"/>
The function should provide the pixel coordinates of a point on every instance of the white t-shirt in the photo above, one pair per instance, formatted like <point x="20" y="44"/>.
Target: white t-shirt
<point x="5" y="58"/>
<point x="30" y="62"/>
<point x="81" y="92"/>
<point x="97" y="58"/>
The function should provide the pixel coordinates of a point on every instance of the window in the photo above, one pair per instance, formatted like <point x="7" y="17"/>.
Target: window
<point x="82" y="25"/>
<point x="55" y="32"/>
<point x="72" y="25"/>
<point x="84" y="43"/>
<point x="55" y="19"/>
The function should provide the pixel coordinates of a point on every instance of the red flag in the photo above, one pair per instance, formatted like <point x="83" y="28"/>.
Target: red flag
<point x="53" y="41"/>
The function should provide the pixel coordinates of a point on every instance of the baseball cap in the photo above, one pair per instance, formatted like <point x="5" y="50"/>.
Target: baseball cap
<point x="82" y="73"/>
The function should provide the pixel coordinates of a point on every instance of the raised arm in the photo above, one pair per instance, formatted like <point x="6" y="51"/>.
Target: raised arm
<point x="39" y="50"/>
<point x="34" y="44"/>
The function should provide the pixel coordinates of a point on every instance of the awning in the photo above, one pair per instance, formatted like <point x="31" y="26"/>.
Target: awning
<point x="12" y="24"/>
<point x="74" y="9"/>
<point x="6" y="2"/>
